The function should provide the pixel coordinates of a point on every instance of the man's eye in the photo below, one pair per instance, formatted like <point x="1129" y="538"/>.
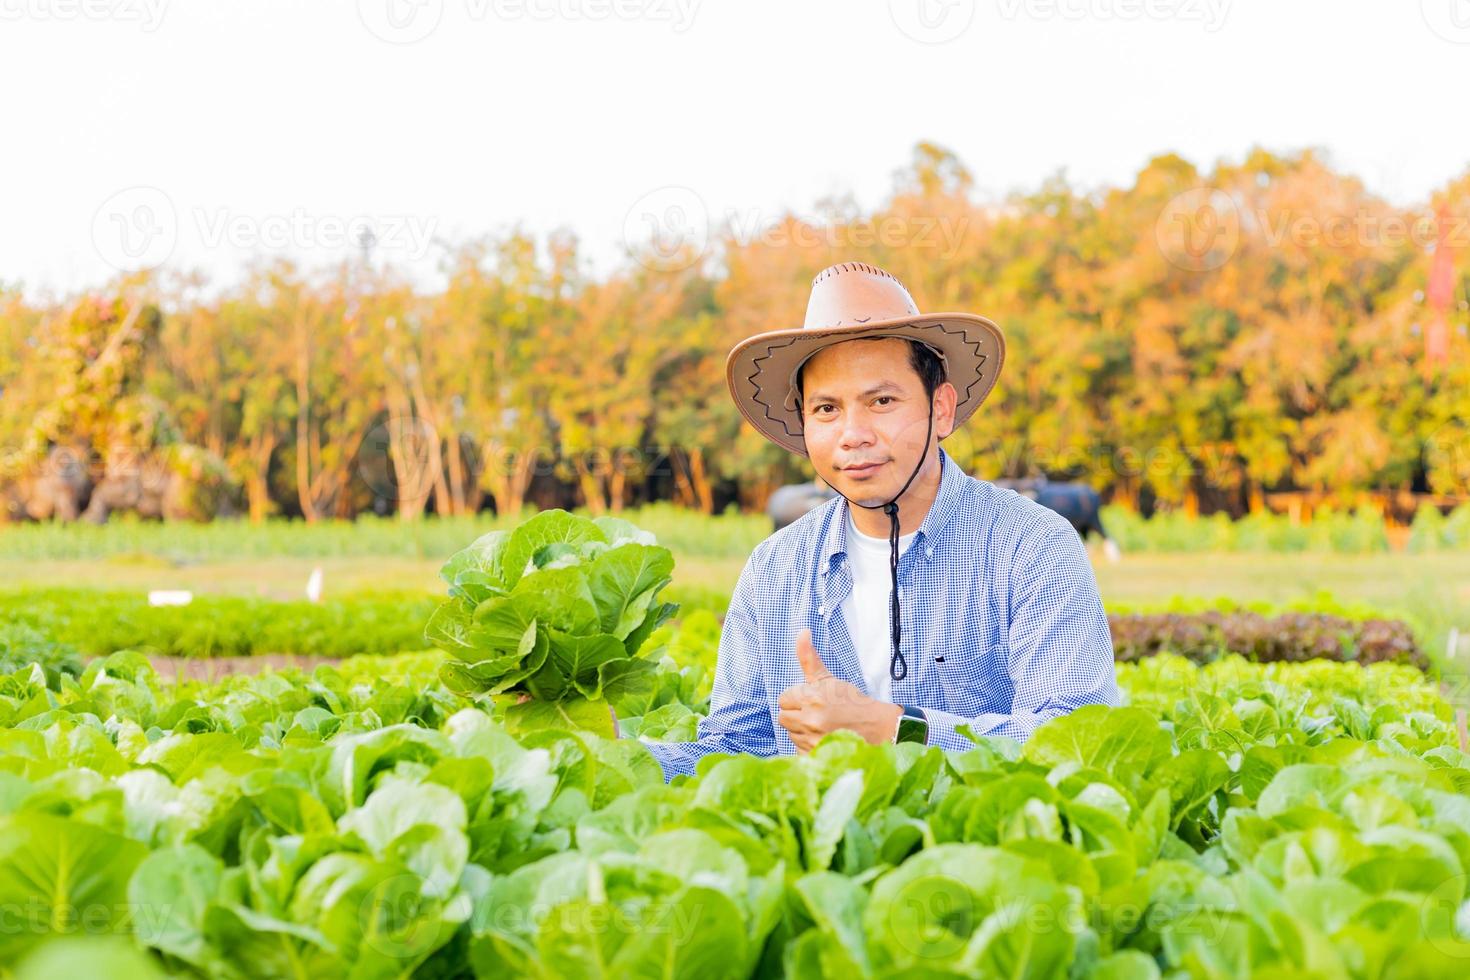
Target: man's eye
<point x="885" y="398"/>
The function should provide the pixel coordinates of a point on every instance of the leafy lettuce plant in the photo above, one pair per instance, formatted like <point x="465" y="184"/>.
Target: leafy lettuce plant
<point x="552" y="616"/>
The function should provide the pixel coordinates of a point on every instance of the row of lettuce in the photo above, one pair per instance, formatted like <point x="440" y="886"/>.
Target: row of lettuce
<point x="367" y="821"/>
<point x="462" y="814"/>
<point x="62" y="628"/>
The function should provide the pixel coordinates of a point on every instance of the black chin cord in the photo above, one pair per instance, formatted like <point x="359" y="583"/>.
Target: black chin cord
<point x="898" y="669"/>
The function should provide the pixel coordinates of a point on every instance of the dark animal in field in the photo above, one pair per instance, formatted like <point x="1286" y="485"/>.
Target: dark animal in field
<point x="57" y="489"/>
<point x="789" y="503"/>
<point x="181" y="482"/>
<point x="1077" y="502"/>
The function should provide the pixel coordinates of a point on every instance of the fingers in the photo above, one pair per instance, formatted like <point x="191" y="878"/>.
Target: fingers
<point x="800" y="696"/>
<point x="804" y="735"/>
<point x="811" y="662"/>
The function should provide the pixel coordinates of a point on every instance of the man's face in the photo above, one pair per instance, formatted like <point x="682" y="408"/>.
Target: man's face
<point x="865" y="415"/>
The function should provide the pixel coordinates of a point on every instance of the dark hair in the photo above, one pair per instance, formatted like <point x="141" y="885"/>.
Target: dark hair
<point x="922" y="359"/>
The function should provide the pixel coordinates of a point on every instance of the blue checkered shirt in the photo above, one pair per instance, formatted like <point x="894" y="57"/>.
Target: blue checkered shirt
<point x="997" y="585"/>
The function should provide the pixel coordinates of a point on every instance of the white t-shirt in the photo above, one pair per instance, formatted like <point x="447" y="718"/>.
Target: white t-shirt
<point x="866" y="611"/>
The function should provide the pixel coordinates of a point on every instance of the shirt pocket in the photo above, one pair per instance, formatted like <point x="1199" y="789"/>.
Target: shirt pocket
<point x="975" y="681"/>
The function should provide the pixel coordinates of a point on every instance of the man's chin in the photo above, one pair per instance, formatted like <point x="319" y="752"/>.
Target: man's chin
<point x="867" y="498"/>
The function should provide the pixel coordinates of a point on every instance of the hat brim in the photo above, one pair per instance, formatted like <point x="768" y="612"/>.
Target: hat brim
<point x="761" y="370"/>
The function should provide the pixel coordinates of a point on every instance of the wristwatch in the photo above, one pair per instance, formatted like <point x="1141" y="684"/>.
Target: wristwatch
<point x="913" y="725"/>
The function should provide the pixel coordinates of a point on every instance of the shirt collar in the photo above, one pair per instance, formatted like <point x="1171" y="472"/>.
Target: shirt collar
<point x="834" y="535"/>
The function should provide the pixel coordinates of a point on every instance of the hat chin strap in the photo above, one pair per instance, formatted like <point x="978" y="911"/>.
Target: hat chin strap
<point x="898" y="669"/>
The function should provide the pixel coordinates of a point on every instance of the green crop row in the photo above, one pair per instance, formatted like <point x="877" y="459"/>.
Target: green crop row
<point x="61" y="628"/>
<point x="687" y="533"/>
<point x="1339" y="532"/>
<point x="365" y="821"/>
<point x="96" y="623"/>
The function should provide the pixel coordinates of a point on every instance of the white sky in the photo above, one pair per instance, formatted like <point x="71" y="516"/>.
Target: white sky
<point x="204" y="133"/>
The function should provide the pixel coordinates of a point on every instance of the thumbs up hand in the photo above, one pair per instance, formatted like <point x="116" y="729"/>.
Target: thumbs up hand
<point x="823" y="703"/>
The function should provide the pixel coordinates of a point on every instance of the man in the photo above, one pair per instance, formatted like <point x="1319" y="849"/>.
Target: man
<point x="919" y="599"/>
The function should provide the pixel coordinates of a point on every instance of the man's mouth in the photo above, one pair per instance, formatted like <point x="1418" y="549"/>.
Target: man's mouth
<point x="865" y="469"/>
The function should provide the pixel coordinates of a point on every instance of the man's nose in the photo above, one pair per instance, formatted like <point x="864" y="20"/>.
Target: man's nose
<point x="857" y="430"/>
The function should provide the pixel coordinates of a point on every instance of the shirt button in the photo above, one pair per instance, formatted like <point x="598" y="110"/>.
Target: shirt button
<point x="821" y="610"/>
<point x="931" y="552"/>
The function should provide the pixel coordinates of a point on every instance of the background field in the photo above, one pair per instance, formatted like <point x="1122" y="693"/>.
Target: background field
<point x="1429" y="590"/>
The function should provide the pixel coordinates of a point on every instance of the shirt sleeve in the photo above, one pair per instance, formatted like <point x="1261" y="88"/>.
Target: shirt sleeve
<point x="739" y="718"/>
<point x="1060" y="649"/>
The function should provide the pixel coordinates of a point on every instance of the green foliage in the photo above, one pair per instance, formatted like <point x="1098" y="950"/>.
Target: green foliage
<point x="97" y="623"/>
<point x="1335" y="532"/>
<point x="1234" y="819"/>
<point x="557" y="610"/>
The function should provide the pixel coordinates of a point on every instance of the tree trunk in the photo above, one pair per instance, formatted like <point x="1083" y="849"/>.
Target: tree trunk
<point x="457" y="495"/>
<point x="683" y="486"/>
<point x="412" y="449"/>
<point x="704" y="491"/>
<point x="617" y="484"/>
<point x="257" y="479"/>
<point x="592" y="494"/>
<point x="428" y="413"/>
<point x="508" y="478"/>
<point x="303" y="438"/>
<point x="1256" y="500"/>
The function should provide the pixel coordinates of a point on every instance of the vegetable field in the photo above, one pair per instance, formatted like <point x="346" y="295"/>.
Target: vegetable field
<point x="465" y="813"/>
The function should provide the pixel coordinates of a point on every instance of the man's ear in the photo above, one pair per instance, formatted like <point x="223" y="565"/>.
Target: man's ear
<point x="946" y="400"/>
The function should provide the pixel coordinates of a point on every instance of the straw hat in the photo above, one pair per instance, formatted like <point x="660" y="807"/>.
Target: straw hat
<point x="848" y="301"/>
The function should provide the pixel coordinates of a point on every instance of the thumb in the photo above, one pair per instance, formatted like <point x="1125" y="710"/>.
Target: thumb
<point x="811" y="662"/>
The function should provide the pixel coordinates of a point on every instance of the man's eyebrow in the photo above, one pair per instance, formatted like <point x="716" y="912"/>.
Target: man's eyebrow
<point x="878" y="388"/>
